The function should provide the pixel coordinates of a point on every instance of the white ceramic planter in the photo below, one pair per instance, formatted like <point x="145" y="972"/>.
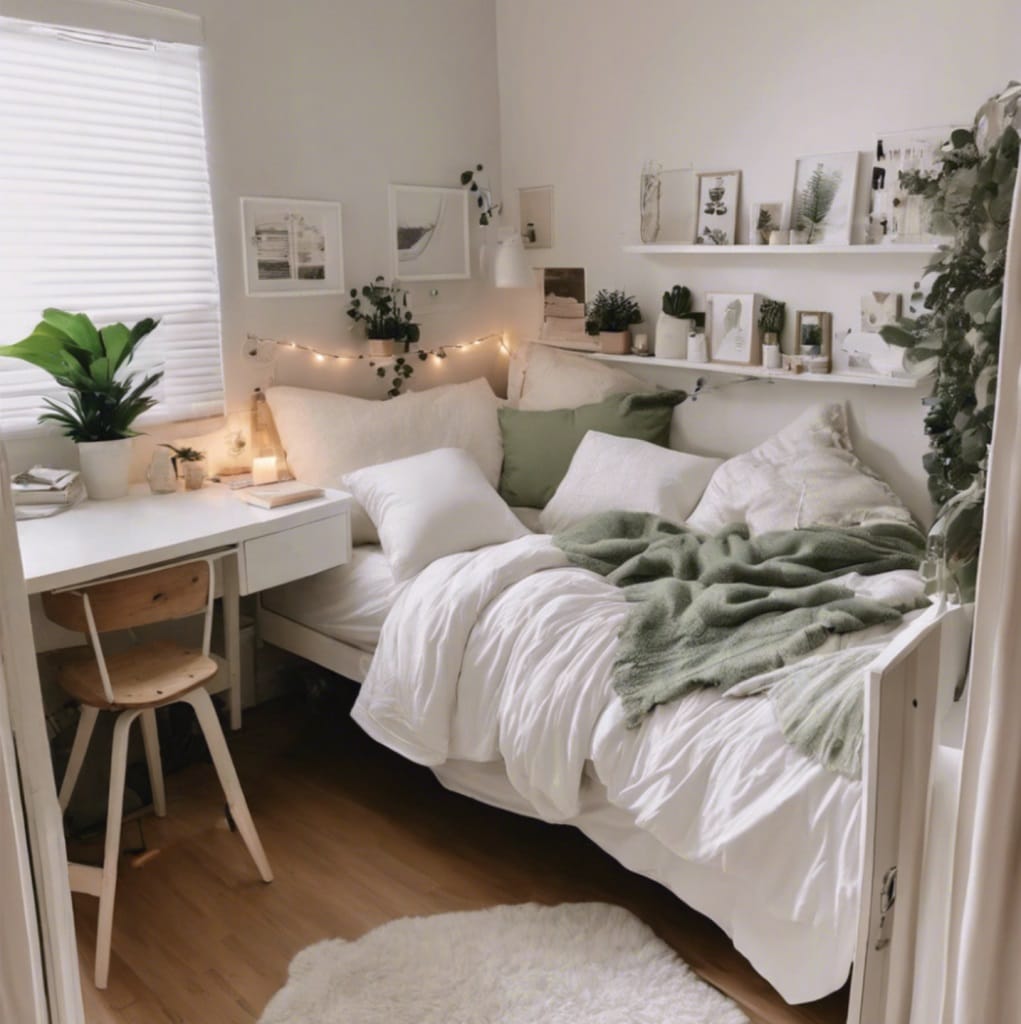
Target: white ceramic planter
<point x="672" y="336"/>
<point x="771" y="358"/>
<point x="106" y="467"/>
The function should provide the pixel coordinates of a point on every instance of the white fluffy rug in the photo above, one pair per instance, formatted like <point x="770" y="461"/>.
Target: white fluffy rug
<point x="579" y="963"/>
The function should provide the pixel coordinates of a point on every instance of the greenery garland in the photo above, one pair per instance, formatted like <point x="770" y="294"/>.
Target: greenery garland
<point x="958" y="334"/>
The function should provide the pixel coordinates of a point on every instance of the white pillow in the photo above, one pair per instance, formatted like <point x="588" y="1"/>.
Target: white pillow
<point x="554" y="379"/>
<point x="610" y="472"/>
<point x="432" y="505"/>
<point x="803" y="476"/>
<point x="327" y="435"/>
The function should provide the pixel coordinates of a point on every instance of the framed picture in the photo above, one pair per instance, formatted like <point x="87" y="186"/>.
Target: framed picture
<point x="535" y="206"/>
<point x="667" y="204"/>
<point x="822" y="206"/>
<point x="719" y="193"/>
<point x="814" y="334"/>
<point x="563" y="295"/>
<point x="766" y="218"/>
<point x="429" y="233"/>
<point x="292" y="247"/>
<point x="731" y="328"/>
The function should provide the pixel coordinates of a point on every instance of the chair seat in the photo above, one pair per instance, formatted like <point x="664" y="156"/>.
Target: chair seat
<point x="144" y="676"/>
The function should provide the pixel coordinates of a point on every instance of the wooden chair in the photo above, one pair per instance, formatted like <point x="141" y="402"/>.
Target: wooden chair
<point x="134" y="683"/>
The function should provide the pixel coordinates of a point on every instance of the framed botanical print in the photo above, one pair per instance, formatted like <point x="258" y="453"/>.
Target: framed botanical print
<point x="719" y="193"/>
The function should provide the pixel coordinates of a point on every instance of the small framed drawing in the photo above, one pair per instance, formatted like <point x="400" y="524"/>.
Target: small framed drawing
<point x="292" y="247"/>
<point x="814" y="340"/>
<point x="429" y="233"/>
<point x="731" y="328"/>
<point x="822" y="207"/>
<point x="765" y="219"/>
<point x="718" y="195"/>
<point x="535" y="206"/>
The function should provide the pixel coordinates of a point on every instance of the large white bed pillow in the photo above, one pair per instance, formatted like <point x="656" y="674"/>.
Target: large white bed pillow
<point x="326" y="435"/>
<point x="554" y="379"/>
<point x="430" y="505"/>
<point x="609" y="473"/>
<point x="805" y="475"/>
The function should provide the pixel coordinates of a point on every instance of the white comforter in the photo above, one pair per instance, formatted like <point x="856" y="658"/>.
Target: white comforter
<point x="506" y="654"/>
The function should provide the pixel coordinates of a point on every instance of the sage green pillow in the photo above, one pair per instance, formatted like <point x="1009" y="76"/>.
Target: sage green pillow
<point x="538" y="445"/>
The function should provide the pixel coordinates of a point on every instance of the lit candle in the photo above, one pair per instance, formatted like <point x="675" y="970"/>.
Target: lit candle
<point x="264" y="469"/>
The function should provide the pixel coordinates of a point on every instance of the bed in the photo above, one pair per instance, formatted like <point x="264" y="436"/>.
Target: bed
<point x="793" y="861"/>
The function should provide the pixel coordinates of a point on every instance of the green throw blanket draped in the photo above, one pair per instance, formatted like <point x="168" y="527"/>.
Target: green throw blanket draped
<point x="714" y="611"/>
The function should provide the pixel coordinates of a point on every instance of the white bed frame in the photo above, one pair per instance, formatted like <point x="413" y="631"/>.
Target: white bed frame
<point x="909" y="690"/>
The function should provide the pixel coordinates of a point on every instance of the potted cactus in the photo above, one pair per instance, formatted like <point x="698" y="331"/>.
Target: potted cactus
<point x="674" y="324"/>
<point x="772" y="315"/>
<point x="610" y="314"/>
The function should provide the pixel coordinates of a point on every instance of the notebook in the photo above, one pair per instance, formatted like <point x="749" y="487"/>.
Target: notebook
<point x="285" y="493"/>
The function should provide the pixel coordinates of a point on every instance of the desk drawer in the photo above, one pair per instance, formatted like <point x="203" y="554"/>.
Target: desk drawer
<point x="292" y="554"/>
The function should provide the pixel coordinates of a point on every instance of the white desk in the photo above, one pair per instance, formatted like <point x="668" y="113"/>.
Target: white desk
<point x="268" y="546"/>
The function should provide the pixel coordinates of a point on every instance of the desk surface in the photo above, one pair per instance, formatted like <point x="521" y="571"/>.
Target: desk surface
<point x="100" y="538"/>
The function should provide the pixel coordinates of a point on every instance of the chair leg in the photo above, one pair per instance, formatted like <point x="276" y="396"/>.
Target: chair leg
<point x="200" y="700"/>
<point x="80" y="747"/>
<point x="111" y="853"/>
<point x="151" y="738"/>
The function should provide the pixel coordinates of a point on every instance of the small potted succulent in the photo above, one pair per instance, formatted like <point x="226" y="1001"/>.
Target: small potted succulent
<point x="384" y="310"/>
<point x="190" y="467"/>
<point x="674" y="324"/>
<point x="610" y="314"/>
<point x="772" y="316"/>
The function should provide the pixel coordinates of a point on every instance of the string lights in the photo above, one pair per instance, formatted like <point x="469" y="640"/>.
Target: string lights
<point x="438" y="353"/>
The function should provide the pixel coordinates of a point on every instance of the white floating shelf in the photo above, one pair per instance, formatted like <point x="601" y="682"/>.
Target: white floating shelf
<point x="873" y="380"/>
<point x="670" y="249"/>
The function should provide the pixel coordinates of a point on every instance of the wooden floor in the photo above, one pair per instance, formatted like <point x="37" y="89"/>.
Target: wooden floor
<point x="356" y="836"/>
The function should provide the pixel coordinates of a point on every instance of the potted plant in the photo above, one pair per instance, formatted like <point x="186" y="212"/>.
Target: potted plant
<point x="101" y="406"/>
<point x="772" y="315"/>
<point x="385" y="313"/>
<point x="610" y="314"/>
<point x="190" y="468"/>
<point x="674" y="325"/>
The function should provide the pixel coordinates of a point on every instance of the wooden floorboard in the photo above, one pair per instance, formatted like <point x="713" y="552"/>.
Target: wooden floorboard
<point x="356" y="837"/>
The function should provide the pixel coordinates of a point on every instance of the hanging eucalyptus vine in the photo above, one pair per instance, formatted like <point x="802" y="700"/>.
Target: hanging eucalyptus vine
<point x="958" y="334"/>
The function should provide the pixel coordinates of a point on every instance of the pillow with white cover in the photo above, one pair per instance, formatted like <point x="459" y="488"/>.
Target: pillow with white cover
<point x="554" y="379"/>
<point x="326" y="435"/>
<point x="609" y="472"/>
<point x="430" y="505"/>
<point x="806" y="475"/>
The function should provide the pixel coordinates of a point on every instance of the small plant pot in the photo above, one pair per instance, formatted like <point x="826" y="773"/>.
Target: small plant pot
<point x="105" y="467"/>
<point x="672" y="334"/>
<point x="698" y="350"/>
<point x="381" y="346"/>
<point x="771" y="357"/>
<point x="194" y="475"/>
<point x="614" y="343"/>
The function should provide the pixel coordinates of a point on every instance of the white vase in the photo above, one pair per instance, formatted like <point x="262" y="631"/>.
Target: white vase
<point x="106" y="467"/>
<point x="698" y="351"/>
<point x="672" y="337"/>
<point x="771" y="358"/>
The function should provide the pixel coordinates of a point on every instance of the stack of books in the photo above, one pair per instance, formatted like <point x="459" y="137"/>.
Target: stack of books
<point x="42" y="492"/>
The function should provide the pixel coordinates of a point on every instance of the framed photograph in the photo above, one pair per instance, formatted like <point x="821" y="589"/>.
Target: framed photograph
<point x="292" y="247"/>
<point x="563" y="291"/>
<point x="719" y="193"/>
<point x="732" y="328"/>
<point x="766" y="218"/>
<point x="822" y="207"/>
<point x="814" y="334"/>
<point x="429" y="233"/>
<point x="535" y="206"/>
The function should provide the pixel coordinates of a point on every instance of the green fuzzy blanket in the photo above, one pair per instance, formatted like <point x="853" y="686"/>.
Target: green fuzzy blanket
<point x="714" y="611"/>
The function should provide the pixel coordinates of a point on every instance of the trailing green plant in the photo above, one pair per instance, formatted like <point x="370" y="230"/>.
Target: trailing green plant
<point x="772" y="316"/>
<point x="816" y="199"/>
<point x="403" y="370"/>
<point x="957" y="334"/>
<point x="611" y="312"/>
<point x="677" y="301"/>
<point x="385" y="312"/>
<point x="183" y="454"/>
<point x="487" y="207"/>
<point x="100" y="405"/>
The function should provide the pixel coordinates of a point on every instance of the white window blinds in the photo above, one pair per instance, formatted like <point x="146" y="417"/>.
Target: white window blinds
<point x="105" y="208"/>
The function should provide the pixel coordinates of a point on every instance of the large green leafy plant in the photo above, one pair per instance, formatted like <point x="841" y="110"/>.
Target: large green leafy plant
<point x="102" y="404"/>
<point x="384" y="310"/>
<point x="957" y="335"/>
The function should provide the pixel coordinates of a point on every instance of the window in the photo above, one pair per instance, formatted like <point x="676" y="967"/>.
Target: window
<point x="105" y="208"/>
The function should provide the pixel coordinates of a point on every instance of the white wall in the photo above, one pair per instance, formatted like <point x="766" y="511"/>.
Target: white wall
<point x="590" y="89"/>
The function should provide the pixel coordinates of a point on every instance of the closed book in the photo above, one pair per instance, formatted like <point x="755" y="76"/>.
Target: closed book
<point x="274" y="495"/>
<point x="44" y="496"/>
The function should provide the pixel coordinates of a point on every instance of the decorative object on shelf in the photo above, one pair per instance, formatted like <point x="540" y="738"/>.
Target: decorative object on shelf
<point x="798" y="237"/>
<point x="188" y="462"/>
<point x="732" y="321"/>
<point x="610" y="314"/>
<point x="563" y="303"/>
<point x="958" y="334"/>
<point x="162" y="473"/>
<point x="535" y="212"/>
<point x="666" y="204"/>
<point x="698" y="349"/>
<point x="719" y="193"/>
<point x="510" y="265"/>
<point x="386" y="315"/>
<point x="100" y="408"/>
<point x="772" y="316"/>
<point x="780" y="237"/>
<point x="904" y="172"/>
<point x="879" y="309"/>
<point x="791" y="363"/>
<point x="640" y="344"/>
<point x="265" y="470"/>
<point x="292" y="247"/>
<point x="429" y="233"/>
<point x="823" y="203"/>
<point x="814" y="340"/>
<point x="648" y="202"/>
<point x="765" y="219"/>
<point x="866" y="351"/>
<point x="488" y="208"/>
<point x="673" y="326"/>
